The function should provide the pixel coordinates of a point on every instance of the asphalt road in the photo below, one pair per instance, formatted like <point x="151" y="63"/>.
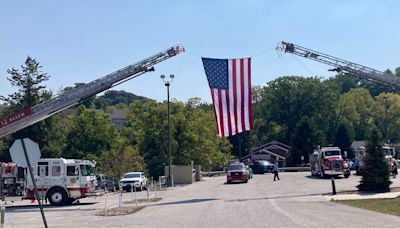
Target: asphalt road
<point x="294" y="201"/>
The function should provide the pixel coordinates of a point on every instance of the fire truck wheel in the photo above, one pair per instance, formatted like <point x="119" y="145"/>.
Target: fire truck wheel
<point x="57" y="197"/>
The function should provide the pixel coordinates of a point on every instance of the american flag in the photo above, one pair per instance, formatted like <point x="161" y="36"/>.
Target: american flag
<point x="230" y="85"/>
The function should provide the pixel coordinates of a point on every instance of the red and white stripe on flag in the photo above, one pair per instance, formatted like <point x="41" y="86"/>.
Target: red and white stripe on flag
<point x="233" y="107"/>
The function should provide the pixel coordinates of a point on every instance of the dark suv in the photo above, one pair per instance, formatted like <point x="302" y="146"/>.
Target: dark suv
<point x="262" y="166"/>
<point x="103" y="182"/>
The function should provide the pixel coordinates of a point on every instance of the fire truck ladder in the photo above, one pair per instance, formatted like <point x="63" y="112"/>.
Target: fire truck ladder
<point x="57" y="104"/>
<point x="340" y="65"/>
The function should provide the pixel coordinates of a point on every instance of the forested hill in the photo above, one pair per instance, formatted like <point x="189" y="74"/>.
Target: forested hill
<point x="114" y="97"/>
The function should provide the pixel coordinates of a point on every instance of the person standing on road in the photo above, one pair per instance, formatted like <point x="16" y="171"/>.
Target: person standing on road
<point x="276" y="170"/>
<point x="394" y="168"/>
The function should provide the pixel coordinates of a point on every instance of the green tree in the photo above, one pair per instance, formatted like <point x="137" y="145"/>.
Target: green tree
<point x="121" y="158"/>
<point x="54" y="136"/>
<point x="397" y="71"/>
<point x="286" y="100"/>
<point x="4" y="155"/>
<point x="241" y="144"/>
<point x="345" y="82"/>
<point x="28" y="80"/>
<point x="31" y="91"/>
<point x="376" y="172"/>
<point x="91" y="134"/>
<point x="387" y="116"/>
<point x="265" y="129"/>
<point x="375" y="88"/>
<point x="343" y="139"/>
<point x="193" y="135"/>
<point x="304" y="140"/>
<point x="355" y="108"/>
<point x="144" y="129"/>
<point x="196" y="137"/>
<point x="114" y="97"/>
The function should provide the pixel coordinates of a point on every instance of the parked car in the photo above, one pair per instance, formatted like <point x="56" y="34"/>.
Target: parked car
<point x="262" y="166"/>
<point x="133" y="179"/>
<point x="237" y="173"/>
<point x="103" y="182"/>
<point x="249" y="172"/>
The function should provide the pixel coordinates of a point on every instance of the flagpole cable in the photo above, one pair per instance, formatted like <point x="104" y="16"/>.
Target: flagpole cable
<point x="180" y="66"/>
<point x="192" y="53"/>
<point x="253" y="55"/>
<point x="303" y="65"/>
<point x="262" y="52"/>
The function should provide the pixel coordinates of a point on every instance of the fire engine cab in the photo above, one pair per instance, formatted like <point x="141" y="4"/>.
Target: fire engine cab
<point x="60" y="181"/>
<point x="328" y="161"/>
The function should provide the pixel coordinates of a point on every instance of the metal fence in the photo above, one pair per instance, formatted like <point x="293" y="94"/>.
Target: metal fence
<point x="294" y="169"/>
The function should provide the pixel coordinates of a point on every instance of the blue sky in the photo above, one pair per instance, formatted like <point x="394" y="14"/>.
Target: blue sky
<point x="80" y="41"/>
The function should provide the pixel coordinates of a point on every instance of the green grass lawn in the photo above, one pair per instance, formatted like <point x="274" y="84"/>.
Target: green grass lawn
<point x="388" y="206"/>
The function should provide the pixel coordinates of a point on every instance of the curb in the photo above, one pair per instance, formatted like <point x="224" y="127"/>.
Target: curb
<point x="361" y="196"/>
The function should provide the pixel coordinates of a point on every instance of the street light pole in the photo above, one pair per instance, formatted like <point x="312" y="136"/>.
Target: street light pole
<point x="167" y="84"/>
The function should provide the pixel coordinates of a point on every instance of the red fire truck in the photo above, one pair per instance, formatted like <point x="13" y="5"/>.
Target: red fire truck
<point x="326" y="161"/>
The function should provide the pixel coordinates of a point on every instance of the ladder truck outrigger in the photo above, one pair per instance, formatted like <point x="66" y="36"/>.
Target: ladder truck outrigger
<point x="60" y="180"/>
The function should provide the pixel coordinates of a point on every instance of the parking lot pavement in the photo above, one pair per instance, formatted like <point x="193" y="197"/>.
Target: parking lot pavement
<point x="82" y="214"/>
<point x="295" y="201"/>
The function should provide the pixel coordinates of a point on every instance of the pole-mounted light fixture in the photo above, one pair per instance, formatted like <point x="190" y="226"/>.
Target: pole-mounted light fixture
<point x="167" y="83"/>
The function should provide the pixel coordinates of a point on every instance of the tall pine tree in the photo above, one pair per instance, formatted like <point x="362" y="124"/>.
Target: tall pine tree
<point x="31" y="91"/>
<point x="376" y="172"/>
<point x="29" y="81"/>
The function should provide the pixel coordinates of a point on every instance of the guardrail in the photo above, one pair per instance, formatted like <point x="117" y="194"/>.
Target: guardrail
<point x="294" y="169"/>
<point x="281" y="169"/>
<point x="214" y="173"/>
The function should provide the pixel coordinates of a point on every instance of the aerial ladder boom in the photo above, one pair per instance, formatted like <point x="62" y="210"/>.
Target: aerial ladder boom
<point x="341" y="65"/>
<point x="57" y="104"/>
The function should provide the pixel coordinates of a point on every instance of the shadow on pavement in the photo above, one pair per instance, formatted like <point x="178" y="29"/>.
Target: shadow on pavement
<point x="226" y="183"/>
<point x="325" y="178"/>
<point x="234" y="200"/>
<point x="46" y="207"/>
<point x="273" y="197"/>
<point x="185" y="201"/>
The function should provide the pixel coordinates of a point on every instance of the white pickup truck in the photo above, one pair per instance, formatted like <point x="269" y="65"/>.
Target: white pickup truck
<point x="133" y="179"/>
